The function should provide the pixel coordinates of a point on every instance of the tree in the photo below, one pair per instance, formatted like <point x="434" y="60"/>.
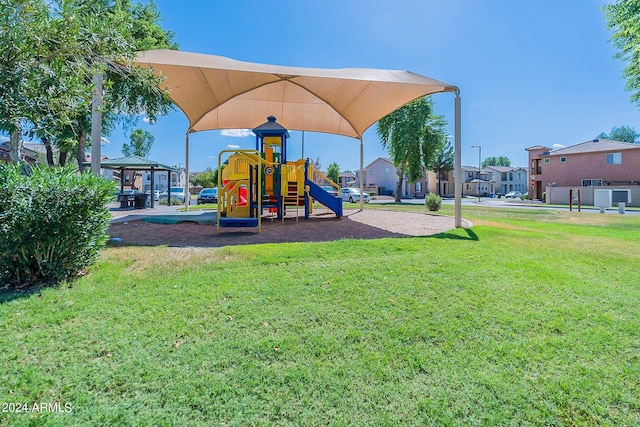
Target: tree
<point x="207" y="179"/>
<point x="129" y="91"/>
<point x="333" y="172"/>
<point x="140" y="143"/>
<point x="413" y="135"/>
<point x="443" y="163"/>
<point x="496" y="161"/>
<point x="622" y="18"/>
<point x="51" y="51"/>
<point x="623" y="134"/>
<point x="316" y="164"/>
<point x="43" y="60"/>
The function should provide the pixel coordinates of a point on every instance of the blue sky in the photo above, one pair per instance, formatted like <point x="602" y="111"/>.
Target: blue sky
<point x="539" y="72"/>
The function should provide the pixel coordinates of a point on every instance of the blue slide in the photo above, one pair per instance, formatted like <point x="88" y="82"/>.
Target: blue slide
<point x="332" y="202"/>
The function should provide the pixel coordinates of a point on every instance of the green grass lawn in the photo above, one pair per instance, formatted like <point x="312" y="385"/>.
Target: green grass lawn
<point x="531" y="317"/>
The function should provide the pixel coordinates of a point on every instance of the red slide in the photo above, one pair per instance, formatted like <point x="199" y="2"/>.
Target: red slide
<point x="242" y="193"/>
<point x="243" y="197"/>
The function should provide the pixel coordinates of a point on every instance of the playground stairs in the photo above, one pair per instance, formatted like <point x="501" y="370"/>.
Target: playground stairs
<point x="294" y="197"/>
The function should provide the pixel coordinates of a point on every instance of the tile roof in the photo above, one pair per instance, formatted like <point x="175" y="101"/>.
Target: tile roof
<point x="538" y="147"/>
<point x="593" y="146"/>
<point x="5" y="148"/>
<point x="503" y="168"/>
<point x="386" y="159"/>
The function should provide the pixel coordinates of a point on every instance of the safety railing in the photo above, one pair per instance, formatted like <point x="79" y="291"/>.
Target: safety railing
<point x="322" y="176"/>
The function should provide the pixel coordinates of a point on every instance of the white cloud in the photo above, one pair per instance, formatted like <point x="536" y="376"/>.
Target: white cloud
<point x="236" y="133"/>
<point x="557" y="146"/>
<point x="233" y="146"/>
<point x="211" y="157"/>
<point x="3" y="138"/>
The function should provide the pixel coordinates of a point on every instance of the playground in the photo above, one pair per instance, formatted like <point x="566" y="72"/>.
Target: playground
<point x="266" y="198"/>
<point x="253" y="182"/>
<point x="355" y="224"/>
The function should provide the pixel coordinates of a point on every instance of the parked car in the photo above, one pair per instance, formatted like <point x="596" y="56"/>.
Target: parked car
<point x="352" y="195"/>
<point x="513" y="195"/>
<point x="331" y="190"/>
<point x="177" y="193"/>
<point x="208" y="195"/>
<point x="156" y="194"/>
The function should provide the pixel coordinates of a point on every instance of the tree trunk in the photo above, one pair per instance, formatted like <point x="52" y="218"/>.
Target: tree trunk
<point x="15" y="154"/>
<point x="62" y="158"/>
<point x="399" y="185"/>
<point x="82" y="143"/>
<point x="47" y="146"/>
<point x="401" y="177"/>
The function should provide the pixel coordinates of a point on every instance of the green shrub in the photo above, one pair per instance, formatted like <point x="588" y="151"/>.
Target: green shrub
<point x="174" y="201"/>
<point x="53" y="223"/>
<point x="433" y="202"/>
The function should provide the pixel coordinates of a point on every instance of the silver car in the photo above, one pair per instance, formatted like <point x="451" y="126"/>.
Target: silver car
<point x="352" y="195"/>
<point x="177" y="193"/>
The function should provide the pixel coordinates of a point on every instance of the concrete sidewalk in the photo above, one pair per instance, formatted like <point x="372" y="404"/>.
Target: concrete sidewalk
<point x="121" y="215"/>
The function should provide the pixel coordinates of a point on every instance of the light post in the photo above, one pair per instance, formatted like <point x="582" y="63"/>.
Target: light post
<point x="479" y="147"/>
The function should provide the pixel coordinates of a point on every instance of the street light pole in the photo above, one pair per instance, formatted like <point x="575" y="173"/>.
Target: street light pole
<point x="479" y="147"/>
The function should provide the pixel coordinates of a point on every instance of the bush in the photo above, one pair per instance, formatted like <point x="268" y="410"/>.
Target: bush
<point x="174" y="201"/>
<point x="433" y="202"/>
<point x="53" y="223"/>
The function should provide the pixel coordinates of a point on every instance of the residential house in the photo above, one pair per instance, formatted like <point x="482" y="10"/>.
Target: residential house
<point x="37" y="149"/>
<point x="383" y="175"/>
<point x="590" y="165"/>
<point x="107" y="173"/>
<point x="347" y="179"/>
<point x="508" y="178"/>
<point x="29" y="155"/>
<point x="160" y="179"/>
<point x="446" y="183"/>
<point x="477" y="182"/>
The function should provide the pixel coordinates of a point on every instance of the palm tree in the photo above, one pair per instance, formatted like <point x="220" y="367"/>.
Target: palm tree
<point x="443" y="163"/>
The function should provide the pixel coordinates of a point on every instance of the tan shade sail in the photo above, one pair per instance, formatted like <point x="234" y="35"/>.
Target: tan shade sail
<point x="216" y="92"/>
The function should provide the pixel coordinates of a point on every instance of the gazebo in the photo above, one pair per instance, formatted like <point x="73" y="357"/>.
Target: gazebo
<point x="137" y="163"/>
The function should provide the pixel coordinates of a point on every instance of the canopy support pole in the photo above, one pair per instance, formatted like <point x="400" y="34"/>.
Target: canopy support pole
<point x="361" y="174"/>
<point x="187" y="194"/>
<point x="458" y="161"/>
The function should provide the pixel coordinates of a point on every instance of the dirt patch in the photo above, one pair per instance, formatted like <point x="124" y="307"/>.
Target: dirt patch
<point x="367" y="224"/>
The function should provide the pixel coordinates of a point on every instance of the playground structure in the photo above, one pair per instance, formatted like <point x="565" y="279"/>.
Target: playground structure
<point x="251" y="181"/>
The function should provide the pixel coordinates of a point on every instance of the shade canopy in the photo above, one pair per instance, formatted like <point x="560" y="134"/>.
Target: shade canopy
<point x="215" y="92"/>
<point x="134" y="162"/>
